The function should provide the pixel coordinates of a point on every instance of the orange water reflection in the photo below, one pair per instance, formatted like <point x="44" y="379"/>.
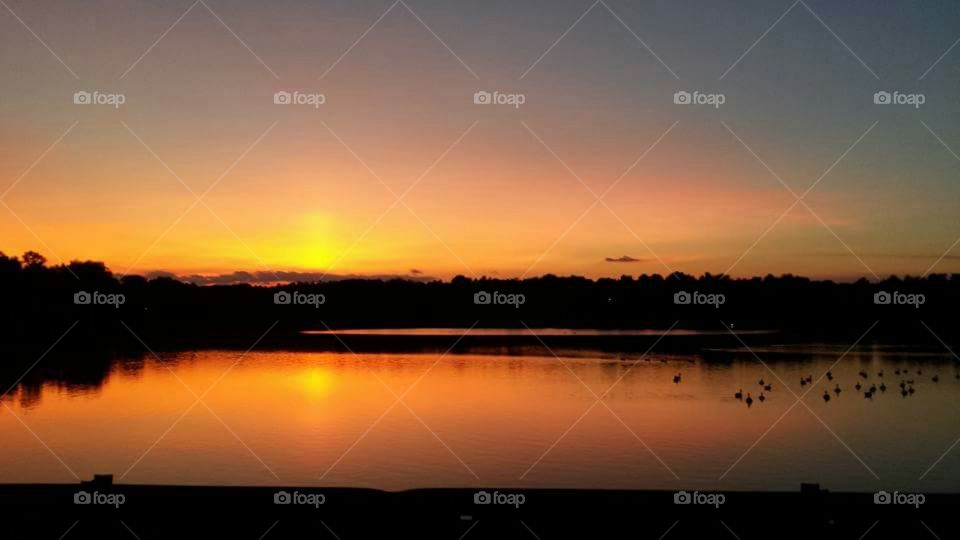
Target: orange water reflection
<point x="334" y="419"/>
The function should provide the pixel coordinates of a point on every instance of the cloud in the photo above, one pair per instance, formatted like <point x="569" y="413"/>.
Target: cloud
<point x="271" y="278"/>
<point x="160" y="274"/>
<point x="415" y="272"/>
<point x="622" y="259"/>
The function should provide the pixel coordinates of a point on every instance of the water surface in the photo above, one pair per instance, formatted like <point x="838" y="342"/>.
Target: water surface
<point x="466" y="420"/>
<point x="542" y="332"/>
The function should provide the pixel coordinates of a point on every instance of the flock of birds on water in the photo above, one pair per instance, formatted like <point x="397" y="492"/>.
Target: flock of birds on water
<point x="906" y="385"/>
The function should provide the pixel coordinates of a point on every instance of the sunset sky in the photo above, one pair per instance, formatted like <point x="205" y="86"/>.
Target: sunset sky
<point x="494" y="189"/>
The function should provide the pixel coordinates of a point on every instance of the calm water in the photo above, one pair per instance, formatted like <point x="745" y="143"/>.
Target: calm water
<point x="543" y="332"/>
<point x="329" y="419"/>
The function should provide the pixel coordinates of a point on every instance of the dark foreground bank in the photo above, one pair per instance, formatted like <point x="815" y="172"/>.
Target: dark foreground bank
<point x="101" y="510"/>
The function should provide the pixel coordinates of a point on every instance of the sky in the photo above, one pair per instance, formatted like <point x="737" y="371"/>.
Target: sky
<point x="597" y="172"/>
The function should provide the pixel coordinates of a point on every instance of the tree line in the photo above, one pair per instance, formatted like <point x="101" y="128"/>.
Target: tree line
<point x="39" y="298"/>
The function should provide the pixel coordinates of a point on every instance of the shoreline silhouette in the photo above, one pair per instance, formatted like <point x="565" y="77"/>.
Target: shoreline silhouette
<point x="46" y="510"/>
<point x="43" y="299"/>
<point x="83" y="307"/>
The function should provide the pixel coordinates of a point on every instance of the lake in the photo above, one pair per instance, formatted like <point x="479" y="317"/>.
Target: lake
<point x="332" y="419"/>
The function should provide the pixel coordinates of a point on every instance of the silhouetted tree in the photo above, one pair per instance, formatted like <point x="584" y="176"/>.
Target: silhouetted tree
<point x="33" y="260"/>
<point x="9" y="265"/>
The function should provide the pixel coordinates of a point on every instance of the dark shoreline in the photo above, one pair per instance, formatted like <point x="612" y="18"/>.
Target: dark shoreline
<point x="153" y="511"/>
<point x="44" y="300"/>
